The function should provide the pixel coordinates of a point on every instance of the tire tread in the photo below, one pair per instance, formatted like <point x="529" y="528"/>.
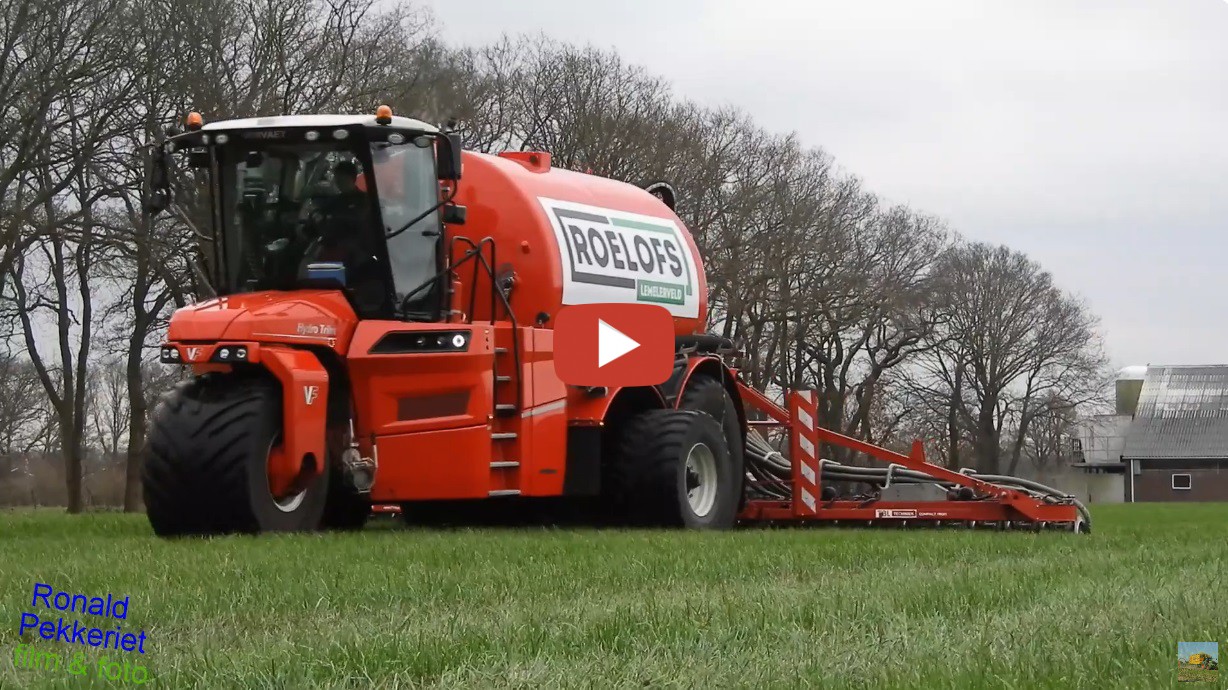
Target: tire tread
<point x="644" y="476"/>
<point x="194" y="472"/>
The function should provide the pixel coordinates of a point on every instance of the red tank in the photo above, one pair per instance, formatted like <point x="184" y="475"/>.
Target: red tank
<point x="572" y="238"/>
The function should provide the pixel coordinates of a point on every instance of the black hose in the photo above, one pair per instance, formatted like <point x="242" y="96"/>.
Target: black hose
<point x="763" y="461"/>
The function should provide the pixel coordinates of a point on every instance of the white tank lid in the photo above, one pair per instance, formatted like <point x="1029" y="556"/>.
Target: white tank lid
<point x="1135" y="373"/>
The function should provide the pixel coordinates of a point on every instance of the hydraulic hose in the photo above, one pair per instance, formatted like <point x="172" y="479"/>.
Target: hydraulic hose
<point x="770" y="472"/>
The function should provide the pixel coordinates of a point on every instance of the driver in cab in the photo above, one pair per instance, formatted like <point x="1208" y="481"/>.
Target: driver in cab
<point x="342" y="216"/>
<point x="342" y="221"/>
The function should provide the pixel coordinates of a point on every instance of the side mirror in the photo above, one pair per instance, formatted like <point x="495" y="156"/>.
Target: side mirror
<point x="448" y="165"/>
<point x="663" y="191"/>
<point x="158" y="181"/>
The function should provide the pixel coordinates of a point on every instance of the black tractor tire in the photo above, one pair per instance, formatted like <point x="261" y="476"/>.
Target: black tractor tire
<point x="706" y="394"/>
<point x="650" y="477"/>
<point x="344" y="509"/>
<point x="205" y="462"/>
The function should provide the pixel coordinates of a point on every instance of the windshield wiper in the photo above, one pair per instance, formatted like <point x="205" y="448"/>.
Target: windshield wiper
<point x="446" y="200"/>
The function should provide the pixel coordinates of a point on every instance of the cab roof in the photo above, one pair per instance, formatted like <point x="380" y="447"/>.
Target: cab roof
<point x="318" y="121"/>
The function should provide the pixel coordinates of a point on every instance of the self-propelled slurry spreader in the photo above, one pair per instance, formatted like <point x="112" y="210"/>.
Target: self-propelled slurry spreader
<point x="382" y="334"/>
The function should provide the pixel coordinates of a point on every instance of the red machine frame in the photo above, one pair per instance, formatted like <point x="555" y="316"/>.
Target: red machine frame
<point x="998" y="504"/>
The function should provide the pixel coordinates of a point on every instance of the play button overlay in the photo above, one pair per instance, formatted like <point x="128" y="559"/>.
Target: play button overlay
<point x="613" y="345"/>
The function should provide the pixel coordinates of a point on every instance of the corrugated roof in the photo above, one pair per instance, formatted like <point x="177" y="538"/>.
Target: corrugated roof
<point x="1182" y="413"/>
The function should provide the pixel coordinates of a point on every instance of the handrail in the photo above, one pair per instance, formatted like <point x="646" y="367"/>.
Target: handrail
<point x="496" y="295"/>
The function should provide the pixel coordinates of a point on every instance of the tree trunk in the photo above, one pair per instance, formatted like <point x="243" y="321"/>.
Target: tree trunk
<point x="136" y="430"/>
<point x="987" y="445"/>
<point x="957" y="399"/>
<point x="70" y="445"/>
<point x="141" y="321"/>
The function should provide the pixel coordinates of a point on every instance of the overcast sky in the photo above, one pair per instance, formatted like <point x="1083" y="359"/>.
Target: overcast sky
<point x="1088" y="133"/>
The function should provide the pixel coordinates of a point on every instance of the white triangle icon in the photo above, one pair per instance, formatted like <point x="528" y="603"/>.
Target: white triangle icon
<point x="611" y="343"/>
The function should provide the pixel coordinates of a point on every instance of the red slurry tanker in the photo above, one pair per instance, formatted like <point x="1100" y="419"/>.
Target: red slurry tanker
<point x="383" y="334"/>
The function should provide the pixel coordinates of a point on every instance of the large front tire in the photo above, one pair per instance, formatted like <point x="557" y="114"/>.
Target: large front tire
<point x="205" y="468"/>
<point x="674" y="469"/>
<point x="706" y="394"/>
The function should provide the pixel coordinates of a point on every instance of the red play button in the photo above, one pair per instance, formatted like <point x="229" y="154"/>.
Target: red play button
<point x="613" y="345"/>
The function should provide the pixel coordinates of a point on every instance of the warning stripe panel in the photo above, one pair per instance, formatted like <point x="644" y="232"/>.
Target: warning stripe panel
<point x="806" y="480"/>
<point x="808" y="472"/>
<point x="807" y="446"/>
<point x="808" y="499"/>
<point x="806" y="419"/>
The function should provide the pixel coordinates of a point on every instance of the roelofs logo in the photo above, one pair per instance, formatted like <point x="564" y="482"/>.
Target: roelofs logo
<point x="611" y="256"/>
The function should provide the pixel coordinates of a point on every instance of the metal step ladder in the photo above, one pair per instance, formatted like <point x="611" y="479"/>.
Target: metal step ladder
<point x="505" y="420"/>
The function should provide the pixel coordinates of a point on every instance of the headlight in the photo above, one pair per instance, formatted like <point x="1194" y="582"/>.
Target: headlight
<point x="405" y="342"/>
<point x="230" y="353"/>
<point x="170" y="355"/>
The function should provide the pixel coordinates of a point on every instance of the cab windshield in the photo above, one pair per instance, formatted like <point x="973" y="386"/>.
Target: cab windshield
<point x="284" y="207"/>
<point x="405" y="177"/>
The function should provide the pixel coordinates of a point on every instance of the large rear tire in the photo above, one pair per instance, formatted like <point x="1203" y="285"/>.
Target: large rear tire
<point x="708" y="395"/>
<point x="205" y="468"/>
<point x="673" y="469"/>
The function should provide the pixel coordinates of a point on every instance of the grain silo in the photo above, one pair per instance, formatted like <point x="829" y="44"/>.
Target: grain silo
<point x="1102" y="439"/>
<point x="1129" y="386"/>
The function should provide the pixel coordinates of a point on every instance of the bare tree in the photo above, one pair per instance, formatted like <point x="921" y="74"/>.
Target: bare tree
<point x="1048" y="444"/>
<point x="61" y="67"/>
<point x="1011" y="341"/>
<point x="108" y="409"/>
<point x="24" y="417"/>
<point x="884" y="320"/>
<point x="53" y="287"/>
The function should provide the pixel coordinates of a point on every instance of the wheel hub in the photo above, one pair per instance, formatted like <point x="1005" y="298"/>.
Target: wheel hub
<point x="700" y="479"/>
<point x="290" y="503"/>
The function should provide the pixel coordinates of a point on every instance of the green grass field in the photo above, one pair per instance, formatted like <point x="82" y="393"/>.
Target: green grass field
<point x="837" y="608"/>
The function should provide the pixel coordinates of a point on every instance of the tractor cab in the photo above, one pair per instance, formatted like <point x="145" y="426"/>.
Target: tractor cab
<point x="319" y="201"/>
